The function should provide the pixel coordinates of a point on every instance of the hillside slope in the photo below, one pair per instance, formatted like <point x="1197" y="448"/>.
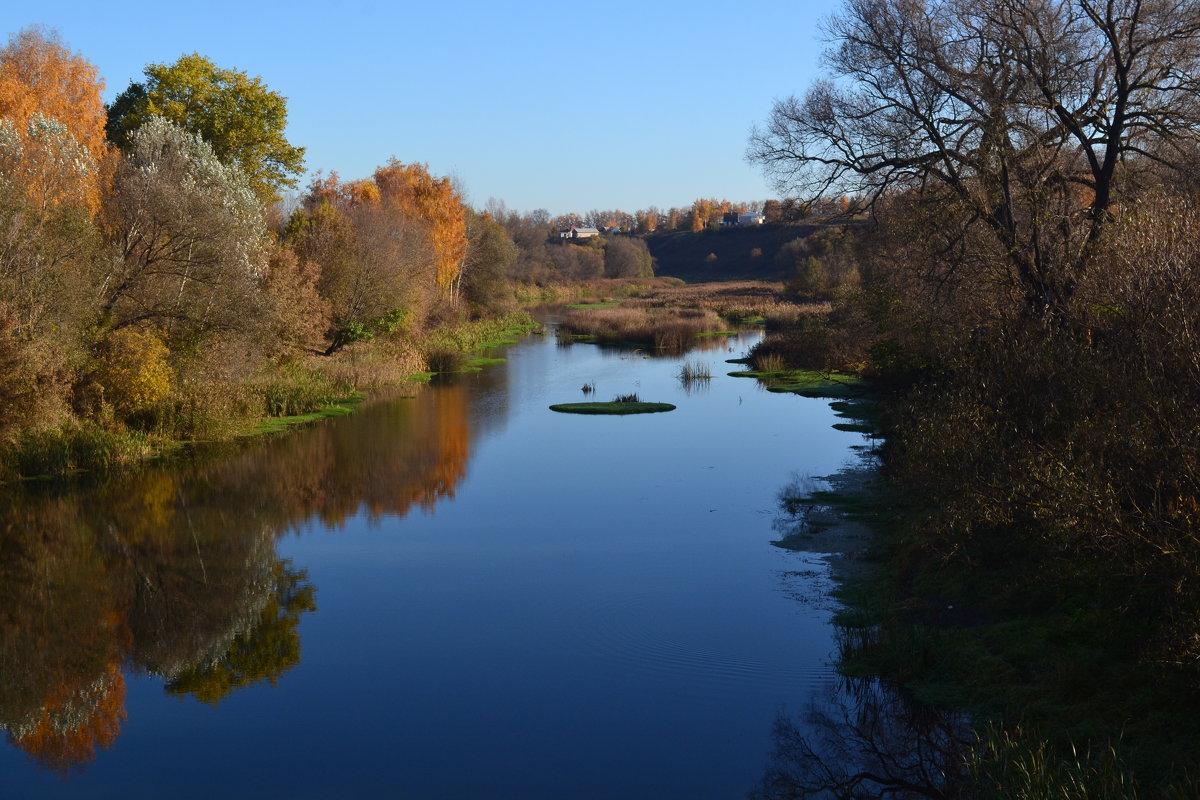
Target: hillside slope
<point x="726" y="254"/>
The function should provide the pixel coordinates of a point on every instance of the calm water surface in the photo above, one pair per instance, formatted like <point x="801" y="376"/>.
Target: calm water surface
<point x="459" y="594"/>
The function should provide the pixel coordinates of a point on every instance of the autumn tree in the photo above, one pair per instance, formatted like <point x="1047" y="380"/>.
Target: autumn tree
<point x="410" y="190"/>
<point x="188" y="237"/>
<point x="237" y="115"/>
<point x="647" y="220"/>
<point x="702" y="212"/>
<point x="1023" y="117"/>
<point x="377" y="265"/>
<point x="50" y="100"/>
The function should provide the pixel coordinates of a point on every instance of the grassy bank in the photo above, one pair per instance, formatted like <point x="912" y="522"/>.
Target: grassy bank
<point x="274" y="399"/>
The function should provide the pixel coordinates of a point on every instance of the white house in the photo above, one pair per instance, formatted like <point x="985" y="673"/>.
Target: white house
<point x="578" y="233"/>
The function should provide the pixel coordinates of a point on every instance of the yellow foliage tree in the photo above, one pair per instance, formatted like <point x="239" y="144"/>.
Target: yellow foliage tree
<point x="134" y="370"/>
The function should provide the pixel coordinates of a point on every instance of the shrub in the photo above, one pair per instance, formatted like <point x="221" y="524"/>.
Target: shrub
<point x="132" y="371"/>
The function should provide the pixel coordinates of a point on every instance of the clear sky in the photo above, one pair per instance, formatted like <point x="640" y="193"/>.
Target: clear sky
<point x="559" y="106"/>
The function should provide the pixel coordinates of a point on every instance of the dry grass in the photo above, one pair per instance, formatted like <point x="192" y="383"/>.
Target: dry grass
<point x="667" y="329"/>
<point x="694" y="371"/>
<point x="737" y="300"/>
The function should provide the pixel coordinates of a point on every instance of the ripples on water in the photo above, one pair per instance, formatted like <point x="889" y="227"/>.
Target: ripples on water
<point x="439" y="596"/>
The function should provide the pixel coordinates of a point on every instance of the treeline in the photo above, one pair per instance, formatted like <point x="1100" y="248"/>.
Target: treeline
<point x="703" y="214"/>
<point x="1028" y="294"/>
<point x="153" y="286"/>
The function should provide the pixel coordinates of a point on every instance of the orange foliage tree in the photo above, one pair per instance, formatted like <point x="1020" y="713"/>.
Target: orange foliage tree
<point x="71" y="727"/>
<point x="40" y="76"/>
<point x="413" y="192"/>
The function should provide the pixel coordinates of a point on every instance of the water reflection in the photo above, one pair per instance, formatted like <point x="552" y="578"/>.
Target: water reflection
<point x="867" y="739"/>
<point x="173" y="571"/>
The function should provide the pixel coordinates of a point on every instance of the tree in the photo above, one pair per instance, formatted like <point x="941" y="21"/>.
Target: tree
<point x="189" y="237"/>
<point x="50" y="98"/>
<point x="627" y="258"/>
<point x="48" y="164"/>
<point x="238" y="116"/>
<point x="1026" y="116"/>
<point x="489" y="256"/>
<point x="413" y="192"/>
<point x="376" y="262"/>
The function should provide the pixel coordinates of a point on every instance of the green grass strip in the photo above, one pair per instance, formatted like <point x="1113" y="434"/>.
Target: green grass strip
<point x="277" y="424"/>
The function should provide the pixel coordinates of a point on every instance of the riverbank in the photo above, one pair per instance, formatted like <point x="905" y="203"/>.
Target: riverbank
<point x="1036" y="696"/>
<point x="295" y="393"/>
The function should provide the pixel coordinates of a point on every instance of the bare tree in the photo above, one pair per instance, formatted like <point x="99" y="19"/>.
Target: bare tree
<point x="1027" y="114"/>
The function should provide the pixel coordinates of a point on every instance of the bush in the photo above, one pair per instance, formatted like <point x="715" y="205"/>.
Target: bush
<point x="132" y="373"/>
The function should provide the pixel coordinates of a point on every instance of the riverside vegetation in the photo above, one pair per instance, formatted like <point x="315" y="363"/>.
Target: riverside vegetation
<point x="1022" y="304"/>
<point x="161" y="284"/>
<point x="1027" y="315"/>
<point x="154" y="289"/>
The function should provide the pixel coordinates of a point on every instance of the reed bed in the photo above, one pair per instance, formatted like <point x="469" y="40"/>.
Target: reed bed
<point x="738" y="301"/>
<point x="661" y="328"/>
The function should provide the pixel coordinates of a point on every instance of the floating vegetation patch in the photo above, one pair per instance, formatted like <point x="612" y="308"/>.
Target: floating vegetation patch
<point x="618" y="407"/>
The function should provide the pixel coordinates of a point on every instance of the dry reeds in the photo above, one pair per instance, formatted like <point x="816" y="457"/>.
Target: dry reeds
<point x="690" y="371"/>
<point x="768" y="362"/>
<point x="668" y="329"/>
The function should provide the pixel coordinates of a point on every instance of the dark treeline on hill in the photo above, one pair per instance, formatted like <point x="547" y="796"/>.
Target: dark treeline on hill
<point x="1029" y="304"/>
<point x="710" y="240"/>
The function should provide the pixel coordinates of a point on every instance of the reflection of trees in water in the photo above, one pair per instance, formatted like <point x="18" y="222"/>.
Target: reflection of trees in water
<point x="173" y="571"/>
<point x="868" y="740"/>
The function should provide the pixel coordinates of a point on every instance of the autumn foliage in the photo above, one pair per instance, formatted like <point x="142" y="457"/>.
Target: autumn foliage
<point x="410" y="190"/>
<point x="41" y="79"/>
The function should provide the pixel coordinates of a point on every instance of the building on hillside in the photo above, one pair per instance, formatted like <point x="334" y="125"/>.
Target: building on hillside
<point x="578" y="233"/>
<point x="750" y="218"/>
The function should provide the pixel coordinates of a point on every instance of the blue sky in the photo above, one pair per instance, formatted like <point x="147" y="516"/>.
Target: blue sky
<point x="541" y="105"/>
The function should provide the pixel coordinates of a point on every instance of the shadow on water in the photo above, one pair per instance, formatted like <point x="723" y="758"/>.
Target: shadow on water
<point x="172" y="571"/>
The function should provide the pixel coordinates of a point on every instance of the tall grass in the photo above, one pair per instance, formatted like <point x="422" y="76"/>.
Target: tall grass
<point x="768" y="362"/>
<point x="694" y="375"/>
<point x="1015" y="764"/>
<point x="73" y="447"/>
<point x="666" y="329"/>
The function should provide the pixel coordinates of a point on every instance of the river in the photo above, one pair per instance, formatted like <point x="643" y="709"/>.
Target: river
<point x="455" y="594"/>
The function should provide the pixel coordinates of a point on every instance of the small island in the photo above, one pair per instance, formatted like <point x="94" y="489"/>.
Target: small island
<point x="612" y="407"/>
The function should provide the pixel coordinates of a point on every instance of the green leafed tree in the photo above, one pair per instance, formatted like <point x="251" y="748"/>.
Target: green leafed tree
<point x="237" y="115"/>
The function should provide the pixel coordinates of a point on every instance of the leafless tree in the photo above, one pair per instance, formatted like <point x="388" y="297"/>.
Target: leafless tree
<point x="1029" y="115"/>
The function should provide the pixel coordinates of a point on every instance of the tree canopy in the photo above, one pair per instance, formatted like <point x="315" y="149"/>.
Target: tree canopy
<point x="50" y="101"/>
<point x="238" y="116"/>
<point x="1022" y="113"/>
